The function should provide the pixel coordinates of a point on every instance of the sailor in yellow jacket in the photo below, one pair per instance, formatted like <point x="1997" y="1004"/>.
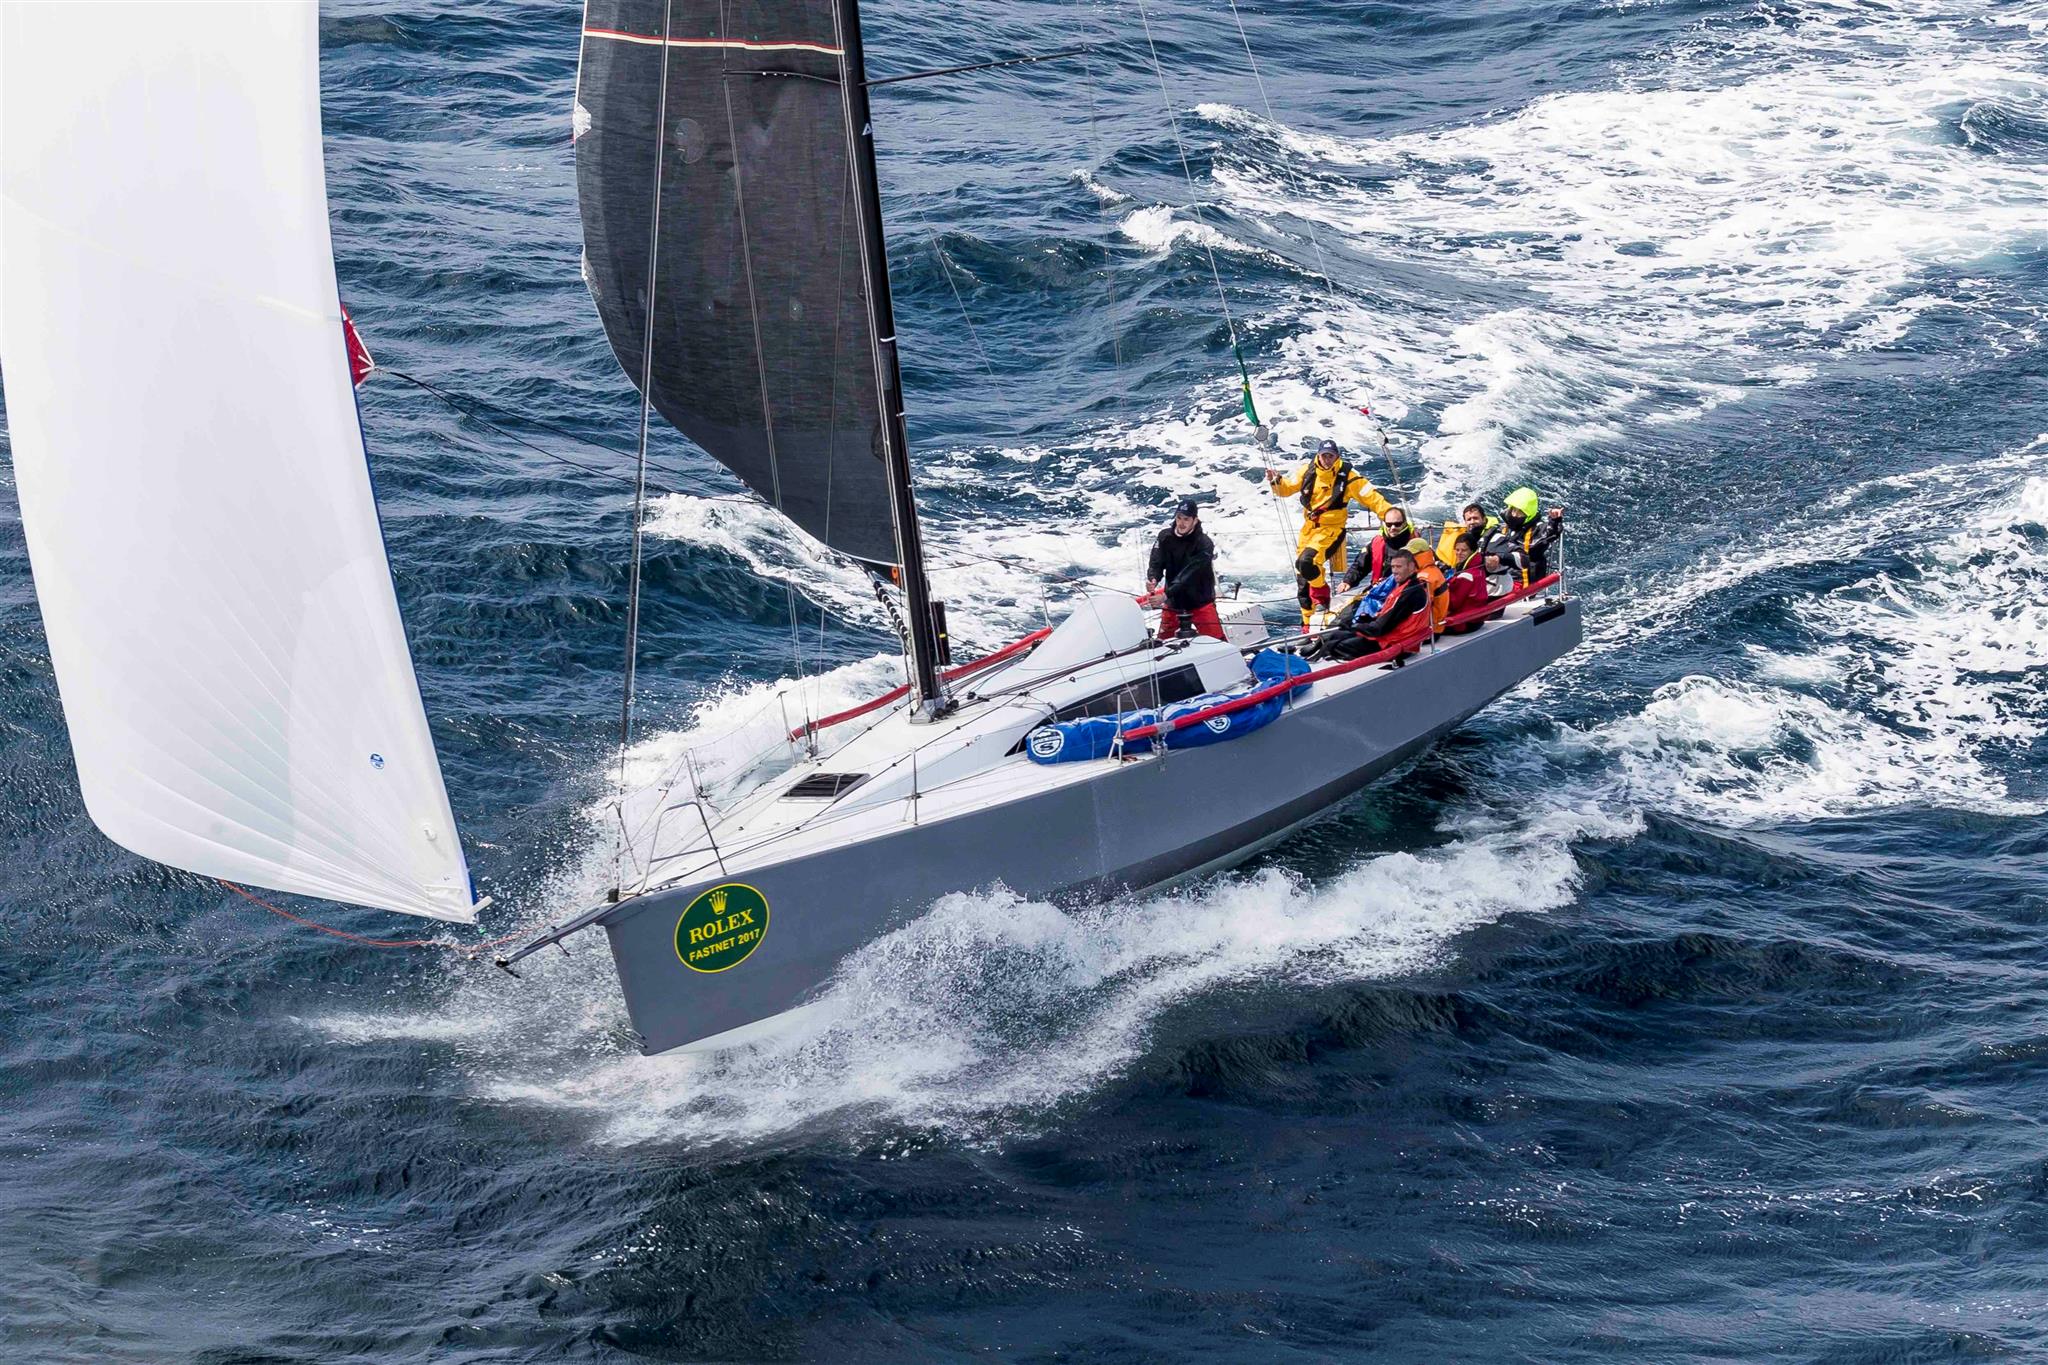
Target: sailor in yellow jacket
<point x="1326" y="485"/>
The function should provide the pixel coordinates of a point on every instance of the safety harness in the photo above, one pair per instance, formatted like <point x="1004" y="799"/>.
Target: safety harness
<point x="1528" y="535"/>
<point x="1341" y="481"/>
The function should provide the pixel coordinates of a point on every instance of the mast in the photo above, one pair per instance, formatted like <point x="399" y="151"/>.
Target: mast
<point x="923" y="631"/>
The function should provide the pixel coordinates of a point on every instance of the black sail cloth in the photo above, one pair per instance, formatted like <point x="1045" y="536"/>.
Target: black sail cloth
<point x="763" y="354"/>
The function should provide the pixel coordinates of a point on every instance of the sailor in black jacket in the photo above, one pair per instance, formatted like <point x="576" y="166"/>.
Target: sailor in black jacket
<point x="1180" y="576"/>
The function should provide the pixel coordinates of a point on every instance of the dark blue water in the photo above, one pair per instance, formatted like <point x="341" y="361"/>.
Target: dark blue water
<point x="1687" y="1005"/>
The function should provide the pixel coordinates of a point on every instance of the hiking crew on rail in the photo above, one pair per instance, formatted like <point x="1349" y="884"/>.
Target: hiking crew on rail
<point x="1412" y="590"/>
<point x="1523" y="541"/>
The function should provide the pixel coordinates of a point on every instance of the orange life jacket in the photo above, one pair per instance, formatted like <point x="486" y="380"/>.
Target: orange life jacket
<point x="1432" y="574"/>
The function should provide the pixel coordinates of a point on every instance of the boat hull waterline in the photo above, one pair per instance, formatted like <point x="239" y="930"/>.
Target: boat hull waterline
<point x="1130" y="826"/>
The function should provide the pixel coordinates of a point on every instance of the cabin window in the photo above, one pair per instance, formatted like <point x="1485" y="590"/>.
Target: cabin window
<point x="1139" y="694"/>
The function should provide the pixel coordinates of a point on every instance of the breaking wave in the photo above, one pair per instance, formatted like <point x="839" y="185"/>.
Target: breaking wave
<point x="1681" y="240"/>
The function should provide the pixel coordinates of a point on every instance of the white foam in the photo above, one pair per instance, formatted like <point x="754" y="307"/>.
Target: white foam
<point x="1161" y="227"/>
<point x="1103" y="193"/>
<point x="1740" y="754"/>
<point x="1918" y="687"/>
<point x="989" y="1010"/>
<point x="1756" y="190"/>
<point x="377" y="1028"/>
<point x="770" y="546"/>
<point x="1955" y="649"/>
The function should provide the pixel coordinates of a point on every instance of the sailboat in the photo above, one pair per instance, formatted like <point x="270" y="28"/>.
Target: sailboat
<point x="247" y="708"/>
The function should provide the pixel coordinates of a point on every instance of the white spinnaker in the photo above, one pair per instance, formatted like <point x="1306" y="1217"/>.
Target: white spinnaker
<point x="194" y="492"/>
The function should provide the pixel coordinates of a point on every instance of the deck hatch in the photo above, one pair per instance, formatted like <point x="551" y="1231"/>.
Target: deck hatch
<point x="823" y="786"/>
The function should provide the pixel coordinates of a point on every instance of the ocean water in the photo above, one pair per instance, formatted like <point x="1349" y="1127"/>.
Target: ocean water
<point x="1686" y="1005"/>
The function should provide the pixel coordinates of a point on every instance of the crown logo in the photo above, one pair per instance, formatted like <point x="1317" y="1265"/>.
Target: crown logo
<point x="718" y="902"/>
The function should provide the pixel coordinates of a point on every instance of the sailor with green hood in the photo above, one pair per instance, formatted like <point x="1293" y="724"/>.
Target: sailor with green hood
<point x="1524" y="540"/>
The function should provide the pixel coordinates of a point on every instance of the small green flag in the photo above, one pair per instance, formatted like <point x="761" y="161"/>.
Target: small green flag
<point x="1251" y="413"/>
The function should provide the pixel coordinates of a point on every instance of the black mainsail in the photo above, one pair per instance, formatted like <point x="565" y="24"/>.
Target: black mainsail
<point x="773" y="342"/>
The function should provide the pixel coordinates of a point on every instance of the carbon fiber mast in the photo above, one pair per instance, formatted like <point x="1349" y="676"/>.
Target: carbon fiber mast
<point x="922" y="630"/>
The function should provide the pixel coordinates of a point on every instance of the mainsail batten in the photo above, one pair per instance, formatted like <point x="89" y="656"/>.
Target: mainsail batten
<point x="726" y="44"/>
<point x="195" y="499"/>
<point x="763" y="348"/>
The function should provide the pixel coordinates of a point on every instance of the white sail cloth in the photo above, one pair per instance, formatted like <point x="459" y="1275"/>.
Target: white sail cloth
<point x="193" y="487"/>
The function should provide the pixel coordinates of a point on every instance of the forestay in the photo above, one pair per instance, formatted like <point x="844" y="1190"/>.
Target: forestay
<point x="762" y="349"/>
<point x="194" y="494"/>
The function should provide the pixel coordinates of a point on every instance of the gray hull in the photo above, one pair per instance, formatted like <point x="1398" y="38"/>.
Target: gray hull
<point x="1137" y="825"/>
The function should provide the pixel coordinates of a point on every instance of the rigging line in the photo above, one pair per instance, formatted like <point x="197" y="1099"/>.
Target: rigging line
<point x="946" y="270"/>
<point x="846" y="205"/>
<point x="465" y="949"/>
<point x="515" y="436"/>
<point x="846" y="190"/>
<point x="1287" y="534"/>
<point x="976" y="66"/>
<point x="760" y="344"/>
<point x="1187" y="172"/>
<point x="966" y="561"/>
<point x="832" y="416"/>
<point x="739" y="198"/>
<point x="467" y="404"/>
<point x="1314" y="238"/>
<point x="646" y="411"/>
<point x="796" y="642"/>
<point x="1116" y="344"/>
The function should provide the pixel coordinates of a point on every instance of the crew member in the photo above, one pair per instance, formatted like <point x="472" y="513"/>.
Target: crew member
<point x="1468" y="581"/>
<point x="1433" y="581"/>
<point x="1180" y="577"/>
<point x="1372" y="566"/>
<point x="1522" y="545"/>
<point x="1401" y="624"/>
<point x="1475" y="519"/>
<point x="1326" y="484"/>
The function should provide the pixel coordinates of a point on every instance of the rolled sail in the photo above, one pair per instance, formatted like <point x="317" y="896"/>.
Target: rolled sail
<point x="193" y="488"/>
<point x="763" y="354"/>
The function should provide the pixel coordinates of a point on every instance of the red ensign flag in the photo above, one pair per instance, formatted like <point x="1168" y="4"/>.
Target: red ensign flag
<point x="359" y="362"/>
